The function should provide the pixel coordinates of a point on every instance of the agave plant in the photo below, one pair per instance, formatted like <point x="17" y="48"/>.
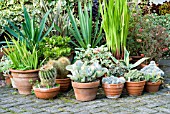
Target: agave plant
<point x="115" y="20"/>
<point x="88" y="33"/>
<point x="31" y="33"/>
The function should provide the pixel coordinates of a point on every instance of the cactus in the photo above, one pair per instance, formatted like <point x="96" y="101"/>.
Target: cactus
<point x="84" y="73"/>
<point x="113" y="80"/>
<point x="134" y="75"/>
<point x="47" y="75"/>
<point x="60" y="66"/>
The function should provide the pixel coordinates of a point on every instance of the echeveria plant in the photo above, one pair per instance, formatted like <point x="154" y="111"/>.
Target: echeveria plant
<point x="84" y="73"/>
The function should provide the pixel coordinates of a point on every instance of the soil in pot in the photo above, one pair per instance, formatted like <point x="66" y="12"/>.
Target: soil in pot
<point x="113" y="90"/>
<point x="85" y="91"/>
<point x="135" y="88"/>
<point x="64" y="84"/>
<point x="152" y="87"/>
<point x="22" y="80"/>
<point x="45" y="93"/>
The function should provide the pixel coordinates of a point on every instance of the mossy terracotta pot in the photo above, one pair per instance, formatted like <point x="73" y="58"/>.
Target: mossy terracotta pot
<point x="45" y="93"/>
<point x="64" y="84"/>
<point x="85" y="91"/>
<point x="135" y="88"/>
<point x="152" y="87"/>
<point x="22" y="80"/>
<point x="113" y="90"/>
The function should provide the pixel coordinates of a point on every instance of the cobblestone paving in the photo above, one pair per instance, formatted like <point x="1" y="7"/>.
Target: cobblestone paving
<point x="13" y="103"/>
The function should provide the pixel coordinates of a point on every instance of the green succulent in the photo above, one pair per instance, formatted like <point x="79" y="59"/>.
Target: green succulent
<point x="84" y="73"/>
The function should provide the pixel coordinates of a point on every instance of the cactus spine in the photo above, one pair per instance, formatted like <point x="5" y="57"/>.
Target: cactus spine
<point x="47" y="75"/>
<point x="60" y="66"/>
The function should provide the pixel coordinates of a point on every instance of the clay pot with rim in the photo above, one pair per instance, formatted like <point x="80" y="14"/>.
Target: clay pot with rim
<point x="135" y="88"/>
<point x="113" y="90"/>
<point x="85" y="91"/>
<point x="22" y="80"/>
<point x="46" y="93"/>
<point x="152" y="87"/>
<point x="64" y="84"/>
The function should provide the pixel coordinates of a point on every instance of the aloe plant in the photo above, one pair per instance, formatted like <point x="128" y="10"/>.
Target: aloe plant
<point x="88" y="33"/>
<point x="31" y="33"/>
<point x="115" y="21"/>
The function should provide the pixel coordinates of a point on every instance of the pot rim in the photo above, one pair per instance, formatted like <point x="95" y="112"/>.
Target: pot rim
<point x="152" y="83"/>
<point x="86" y="85"/>
<point x="136" y="82"/>
<point x="23" y="71"/>
<point x="46" y="89"/>
<point x="113" y="84"/>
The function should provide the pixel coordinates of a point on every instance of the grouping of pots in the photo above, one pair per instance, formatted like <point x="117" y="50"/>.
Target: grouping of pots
<point x="83" y="91"/>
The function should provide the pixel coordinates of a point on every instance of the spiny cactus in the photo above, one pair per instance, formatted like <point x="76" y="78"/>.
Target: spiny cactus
<point x="47" y="75"/>
<point x="60" y="66"/>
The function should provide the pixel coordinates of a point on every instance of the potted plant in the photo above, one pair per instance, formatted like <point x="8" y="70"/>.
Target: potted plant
<point x="47" y="88"/>
<point x="153" y="75"/>
<point x="135" y="82"/>
<point x="115" y="22"/>
<point x="84" y="79"/>
<point x="113" y="86"/>
<point x="5" y="65"/>
<point x="62" y="73"/>
<point x="153" y="83"/>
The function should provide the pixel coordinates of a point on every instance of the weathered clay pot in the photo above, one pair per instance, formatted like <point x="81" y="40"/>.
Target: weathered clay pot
<point x="152" y="87"/>
<point x="22" y="80"/>
<point x="113" y="90"/>
<point x="45" y="93"/>
<point x="135" y="88"/>
<point x="85" y="91"/>
<point x="64" y="84"/>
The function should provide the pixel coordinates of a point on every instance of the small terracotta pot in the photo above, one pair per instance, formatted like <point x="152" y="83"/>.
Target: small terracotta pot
<point x="135" y="88"/>
<point x="85" y="91"/>
<point x="64" y="84"/>
<point x="152" y="87"/>
<point x="22" y="80"/>
<point x="7" y="80"/>
<point x="113" y="90"/>
<point x="44" y="93"/>
<point x="142" y="65"/>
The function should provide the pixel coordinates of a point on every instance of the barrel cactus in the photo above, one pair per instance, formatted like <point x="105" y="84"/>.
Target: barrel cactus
<point x="84" y="73"/>
<point x="47" y="75"/>
<point x="60" y="66"/>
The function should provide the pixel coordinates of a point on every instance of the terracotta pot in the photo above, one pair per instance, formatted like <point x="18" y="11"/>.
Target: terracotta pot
<point x="44" y="93"/>
<point x="64" y="84"/>
<point x="113" y="90"/>
<point x="135" y="88"/>
<point x="7" y="80"/>
<point x="85" y="91"/>
<point x="152" y="87"/>
<point x="143" y="65"/>
<point x="22" y="80"/>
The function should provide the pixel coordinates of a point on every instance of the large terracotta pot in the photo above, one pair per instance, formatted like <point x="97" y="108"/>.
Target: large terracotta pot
<point x="113" y="90"/>
<point x="45" y="93"/>
<point x="64" y="84"/>
<point x="85" y="91"/>
<point x="22" y="80"/>
<point x="152" y="87"/>
<point x="135" y="88"/>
